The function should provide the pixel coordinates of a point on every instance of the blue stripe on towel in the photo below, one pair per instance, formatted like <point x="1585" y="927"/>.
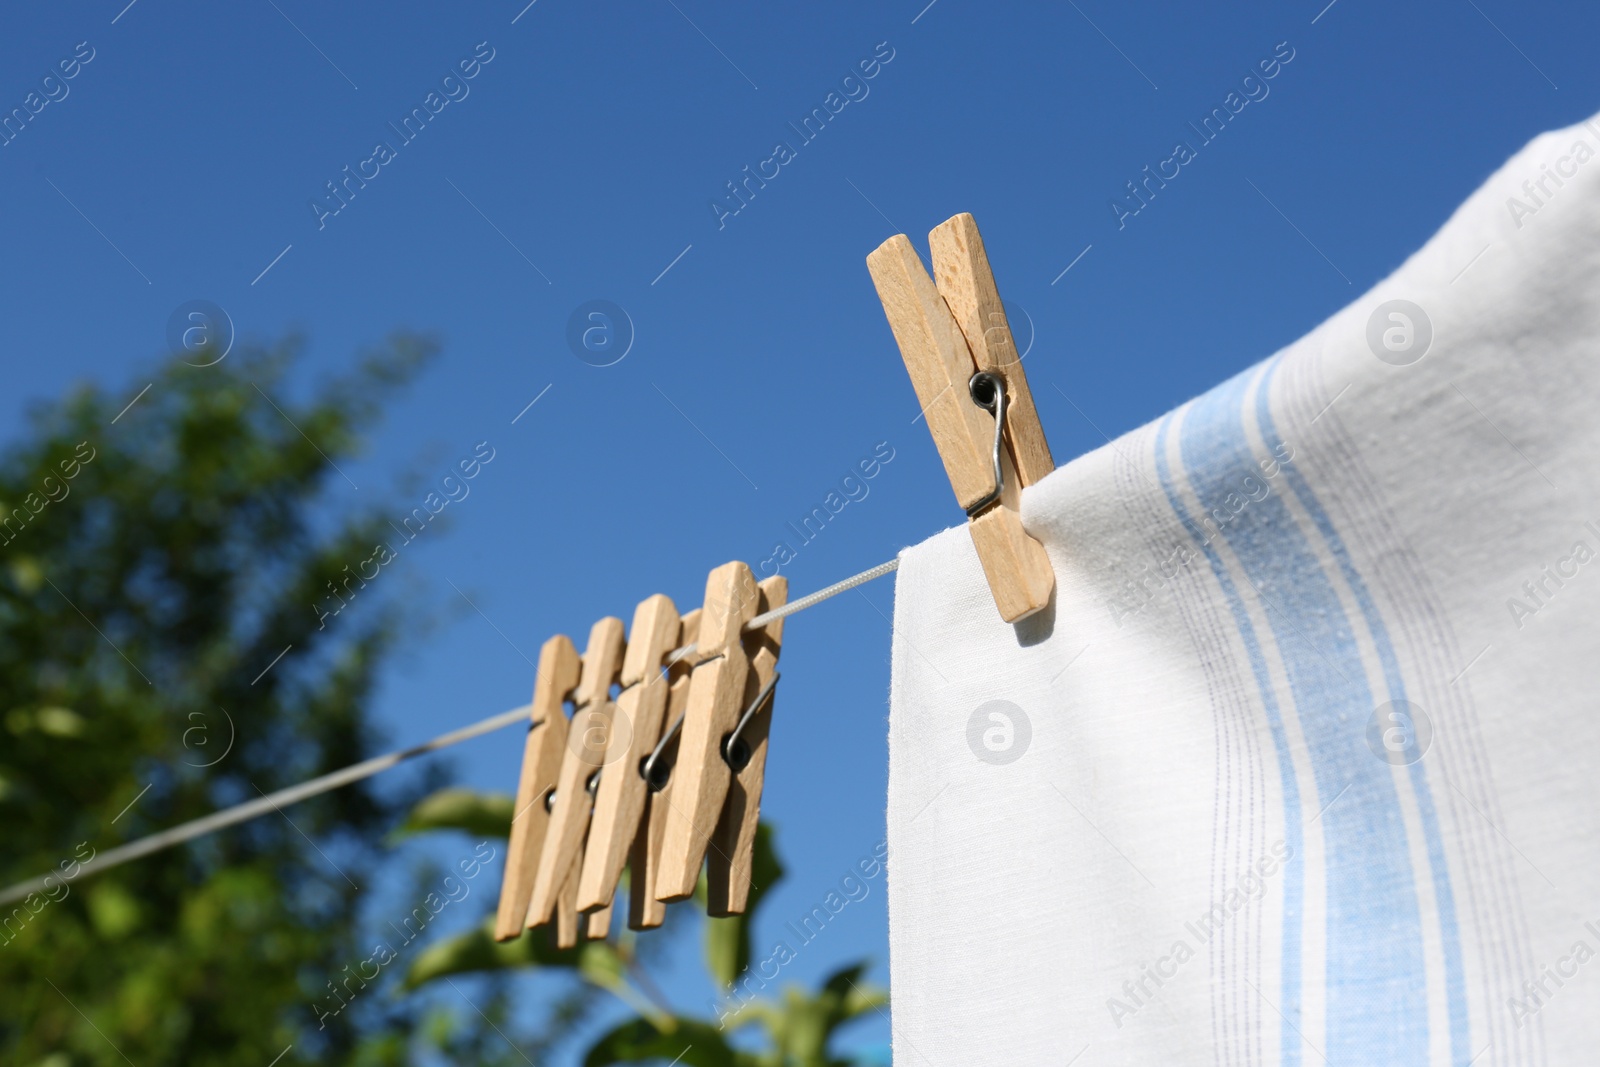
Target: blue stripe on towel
<point x="1376" y="1001"/>
<point x="1449" y="928"/>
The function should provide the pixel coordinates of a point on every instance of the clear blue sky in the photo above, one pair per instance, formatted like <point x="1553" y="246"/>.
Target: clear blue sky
<point x="581" y="163"/>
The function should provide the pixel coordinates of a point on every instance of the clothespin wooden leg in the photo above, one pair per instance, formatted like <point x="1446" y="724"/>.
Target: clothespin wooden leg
<point x="941" y="365"/>
<point x="541" y="759"/>
<point x="731" y="857"/>
<point x="636" y="727"/>
<point x="566" y="912"/>
<point x="597" y="924"/>
<point x="584" y="755"/>
<point x="716" y="692"/>
<point x="1016" y="566"/>
<point x="644" y="860"/>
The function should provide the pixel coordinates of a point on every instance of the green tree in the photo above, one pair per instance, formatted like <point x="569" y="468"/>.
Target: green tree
<point x="160" y="658"/>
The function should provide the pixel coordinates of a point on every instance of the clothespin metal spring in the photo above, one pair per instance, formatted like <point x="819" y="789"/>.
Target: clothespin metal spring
<point x="730" y="745"/>
<point x="734" y="751"/>
<point x="987" y="384"/>
<point x="590" y="787"/>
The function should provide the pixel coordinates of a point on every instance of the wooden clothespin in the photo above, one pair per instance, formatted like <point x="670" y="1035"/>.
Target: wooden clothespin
<point x="732" y="853"/>
<point x="636" y="727"/>
<point x="716" y="698"/>
<point x="541" y="760"/>
<point x="556" y="877"/>
<point x="958" y="350"/>
<point x="644" y="860"/>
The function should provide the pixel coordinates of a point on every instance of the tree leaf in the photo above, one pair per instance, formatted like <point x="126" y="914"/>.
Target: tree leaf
<point x="479" y="814"/>
<point x="802" y="1026"/>
<point x="600" y="963"/>
<point x="477" y="950"/>
<point x="690" y="1042"/>
<point x="728" y="940"/>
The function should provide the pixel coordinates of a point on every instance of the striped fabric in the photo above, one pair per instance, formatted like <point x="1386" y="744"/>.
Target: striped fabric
<point x="1303" y="766"/>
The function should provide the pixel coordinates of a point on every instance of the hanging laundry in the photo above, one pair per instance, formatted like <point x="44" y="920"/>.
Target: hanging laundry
<point x="1298" y="764"/>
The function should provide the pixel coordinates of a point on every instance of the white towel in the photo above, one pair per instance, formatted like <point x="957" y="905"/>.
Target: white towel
<point x="1304" y="764"/>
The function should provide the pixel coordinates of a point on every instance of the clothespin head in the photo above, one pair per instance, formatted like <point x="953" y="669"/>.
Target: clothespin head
<point x="961" y="273"/>
<point x="958" y="351"/>
<point x="541" y="759"/>
<point x="716" y="691"/>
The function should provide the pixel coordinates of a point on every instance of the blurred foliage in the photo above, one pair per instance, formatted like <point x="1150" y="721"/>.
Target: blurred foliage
<point x="477" y="814"/>
<point x="160" y="658"/>
<point x="792" y="1031"/>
